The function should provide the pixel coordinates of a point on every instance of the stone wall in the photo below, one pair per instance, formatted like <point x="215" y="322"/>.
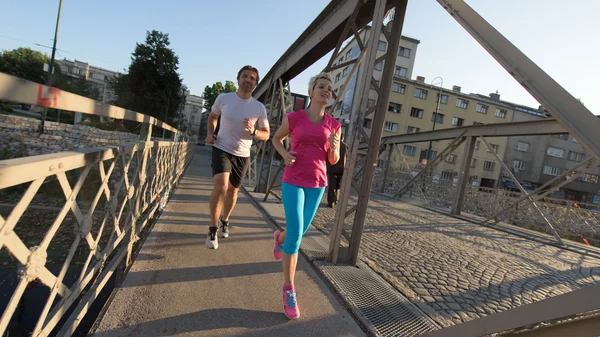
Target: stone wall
<point x="19" y="137"/>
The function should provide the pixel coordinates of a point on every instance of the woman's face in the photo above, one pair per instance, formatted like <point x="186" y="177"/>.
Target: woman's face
<point x="321" y="92"/>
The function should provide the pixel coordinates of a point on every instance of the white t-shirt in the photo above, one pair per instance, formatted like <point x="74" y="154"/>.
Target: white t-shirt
<point x="233" y="138"/>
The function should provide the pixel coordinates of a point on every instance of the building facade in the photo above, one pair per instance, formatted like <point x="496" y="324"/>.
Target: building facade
<point x="192" y="116"/>
<point x="96" y="76"/>
<point x="405" y="60"/>
<point x="535" y="160"/>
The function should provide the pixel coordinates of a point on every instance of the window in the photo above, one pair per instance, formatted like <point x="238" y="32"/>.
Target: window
<point x="404" y="52"/>
<point x="451" y="158"/>
<point x="563" y="136"/>
<point x="395" y="107"/>
<point x="589" y="178"/>
<point x="91" y="74"/>
<point x="382" y="45"/>
<point x="412" y="129"/>
<point x="551" y="170"/>
<point x="575" y="140"/>
<point x="391" y="127"/>
<point x="367" y="123"/>
<point x="523" y="147"/>
<point x="399" y="88"/>
<point x="495" y="147"/>
<point x="409" y="150"/>
<point x="438" y="118"/>
<point x="379" y="66"/>
<point x="345" y="71"/>
<point x="473" y="163"/>
<point x="447" y="175"/>
<point x="371" y="103"/>
<point x="381" y="163"/>
<point x="501" y="113"/>
<point x="488" y="165"/>
<point x="348" y="54"/>
<point x="457" y="121"/>
<point x="574" y="156"/>
<point x="372" y="86"/>
<point x="518" y="164"/>
<point x="420" y="93"/>
<point x="424" y="155"/>
<point x="418" y="113"/>
<point x="461" y="103"/>
<point x="337" y="77"/>
<point x="481" y="108"/>
<point x="400" y="72"/>
<point x="555" y="152"/>
<point x="443" y="100"/>
<point x="478" y="123"/>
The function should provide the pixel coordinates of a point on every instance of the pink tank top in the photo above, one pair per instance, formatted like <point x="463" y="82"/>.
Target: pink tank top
<point x="309" y="140"/>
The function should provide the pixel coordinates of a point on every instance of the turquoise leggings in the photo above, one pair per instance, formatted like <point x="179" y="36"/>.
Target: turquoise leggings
<point x="300" y="205"/>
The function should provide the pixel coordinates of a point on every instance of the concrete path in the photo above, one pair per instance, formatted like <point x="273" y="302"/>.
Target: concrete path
<point x="178" y="287"/>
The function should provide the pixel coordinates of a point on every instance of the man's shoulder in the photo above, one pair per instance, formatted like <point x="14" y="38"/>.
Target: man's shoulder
<point x="226" y="95"/>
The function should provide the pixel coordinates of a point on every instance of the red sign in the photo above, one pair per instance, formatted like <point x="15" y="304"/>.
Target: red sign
<point x="48" y="102"/>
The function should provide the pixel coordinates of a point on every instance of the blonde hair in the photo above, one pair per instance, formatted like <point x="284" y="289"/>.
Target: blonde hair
<point x="314" y="79"/>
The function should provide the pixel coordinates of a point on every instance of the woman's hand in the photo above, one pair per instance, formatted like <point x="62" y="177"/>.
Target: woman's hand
<point x="289" y="157"/>
<point x="334" y="140"/>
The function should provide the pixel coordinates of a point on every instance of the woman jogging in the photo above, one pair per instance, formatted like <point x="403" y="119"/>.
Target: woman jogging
<point x="315" y="139"/>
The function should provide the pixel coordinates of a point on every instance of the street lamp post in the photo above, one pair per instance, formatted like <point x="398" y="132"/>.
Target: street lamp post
<point x="51" y="65"/>
<point x="437" y="108"/>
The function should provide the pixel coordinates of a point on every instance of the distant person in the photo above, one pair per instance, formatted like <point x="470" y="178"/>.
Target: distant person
<point x="315" y="139"/>
<point x="239" y="113"/>
<point x="334" y="175"/>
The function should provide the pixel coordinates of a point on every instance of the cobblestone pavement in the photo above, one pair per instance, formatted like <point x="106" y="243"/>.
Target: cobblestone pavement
<point x="457" y="271"/>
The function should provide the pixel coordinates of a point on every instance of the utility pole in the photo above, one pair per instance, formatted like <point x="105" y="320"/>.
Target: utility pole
<point x="50" y="80"/>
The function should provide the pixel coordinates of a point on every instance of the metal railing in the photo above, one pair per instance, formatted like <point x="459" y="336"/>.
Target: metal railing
<point x="109" y="195"/>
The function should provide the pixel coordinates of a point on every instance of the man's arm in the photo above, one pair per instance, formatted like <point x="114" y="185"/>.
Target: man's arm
<point x="263" y="132"/>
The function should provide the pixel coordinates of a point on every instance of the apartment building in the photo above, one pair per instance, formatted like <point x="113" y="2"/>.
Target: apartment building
<point x="192" y="118"/>
<point x="405" y="61"/>
<point x="96" y="76"/>
<point x="535" y="160"/>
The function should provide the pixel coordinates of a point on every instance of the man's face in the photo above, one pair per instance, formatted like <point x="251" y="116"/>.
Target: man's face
<point x="247" y="80"/>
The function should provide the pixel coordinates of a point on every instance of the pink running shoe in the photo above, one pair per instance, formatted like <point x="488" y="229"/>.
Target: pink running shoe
<point x="290" y="306"/>
<point x="278" y="247"/>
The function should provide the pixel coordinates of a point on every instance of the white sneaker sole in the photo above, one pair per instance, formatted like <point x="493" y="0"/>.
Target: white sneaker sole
<point x="223" y="235"/>
<point x="212" y="244"/>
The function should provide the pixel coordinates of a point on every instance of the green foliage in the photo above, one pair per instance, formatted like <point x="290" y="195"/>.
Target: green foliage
<point x="211" y="93"/>
<point x="152" y="85"/>
<point x="25" y="63"/>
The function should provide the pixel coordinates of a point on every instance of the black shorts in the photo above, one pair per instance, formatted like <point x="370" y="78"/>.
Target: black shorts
<point x="226" y="162"/>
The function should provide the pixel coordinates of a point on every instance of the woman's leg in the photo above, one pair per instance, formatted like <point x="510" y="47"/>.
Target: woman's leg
<point x="293" y="205"/>
<point x="312" y="199"/>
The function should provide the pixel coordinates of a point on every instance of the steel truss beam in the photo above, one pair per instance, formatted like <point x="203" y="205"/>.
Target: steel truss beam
<point x="356" y="129"/>
<point x="516" y="181"/>
<point x="318" y="39"/>
<point x="573" y="115"/>
<point x="551" y="309"/>
<point x="529" y="128"/>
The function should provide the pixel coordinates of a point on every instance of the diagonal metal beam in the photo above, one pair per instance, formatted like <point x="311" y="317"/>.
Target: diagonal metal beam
<point x="548" y="223"/>
<point x="575" y="117"/>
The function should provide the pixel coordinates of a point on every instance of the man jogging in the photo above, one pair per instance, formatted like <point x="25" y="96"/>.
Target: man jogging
<point x="239" y="113"/>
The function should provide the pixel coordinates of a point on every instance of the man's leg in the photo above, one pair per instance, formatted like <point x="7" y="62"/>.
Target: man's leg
<point x="239" y="167"/>
<point x="230" y="201"/>
<point x="331" y="189"/>
<point x="220" y="190"/>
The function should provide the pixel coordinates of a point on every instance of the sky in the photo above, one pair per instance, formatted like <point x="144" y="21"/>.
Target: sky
<point x="213" y="39"/>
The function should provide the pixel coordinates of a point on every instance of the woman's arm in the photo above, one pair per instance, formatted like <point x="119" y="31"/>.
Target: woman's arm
<point x="278" y="137"/>
<point x="333" y="155"/>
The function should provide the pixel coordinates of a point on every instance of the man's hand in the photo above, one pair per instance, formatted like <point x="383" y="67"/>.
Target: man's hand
<point x="210" y="139"/>
<point x="248" y="125"/>
<point x="289" y="158"/>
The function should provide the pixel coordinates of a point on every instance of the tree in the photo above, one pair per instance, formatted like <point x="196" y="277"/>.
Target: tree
<point x="25" y="63"/>
<point x="152" y="85"/>
<point x="211" y="93"/>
